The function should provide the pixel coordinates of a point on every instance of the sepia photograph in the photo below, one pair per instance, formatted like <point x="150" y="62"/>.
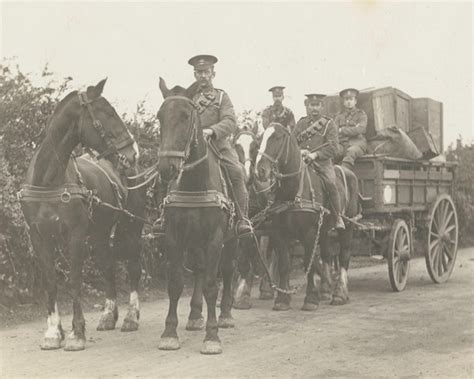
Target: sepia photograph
<point x="227" y="189"/>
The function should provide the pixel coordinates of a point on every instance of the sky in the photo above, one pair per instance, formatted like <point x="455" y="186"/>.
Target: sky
<point x="422" y="48"/>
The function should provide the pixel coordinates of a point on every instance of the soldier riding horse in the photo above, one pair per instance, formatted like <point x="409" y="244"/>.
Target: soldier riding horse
<point x="300" y="211"/>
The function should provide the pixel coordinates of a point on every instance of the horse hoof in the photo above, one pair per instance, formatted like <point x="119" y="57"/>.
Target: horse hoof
<point x="129" y="325"/>
<point x="326" y="296"/>
<point x="309" y="307"/>
<point x="197" y="324"/>
<point x="107" y="322"/>
<point x="75" y="344"/>
<point x="211" y="348"/>
<point x="51" y="343"/>
<point x="226" y="322"/>
<point x="169" y="343"/>
<point x="243" y="303"/>
<point x="337" y="300"/>
<point x="281" y="307"/>
<point x="266" y="295"/>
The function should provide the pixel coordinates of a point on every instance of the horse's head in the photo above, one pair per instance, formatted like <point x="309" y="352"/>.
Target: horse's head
<point x="273" y="152"/>
<point x="246" y="144"/>
<point x="179" y="129"/>
<point x="99" y="127"/>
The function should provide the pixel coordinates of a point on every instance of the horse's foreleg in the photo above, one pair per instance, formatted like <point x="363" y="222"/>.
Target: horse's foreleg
<point x="227" y="268"/>
<point x="169" y="338"/>
<point x="341" y="292"/>
<point x="212" y="343"/>
<point x="128" y="244"/>
<point x="195" y="320"/>
<point x="311" y="300"/>
<point x="44" y="250"/>
<point x="270" y="259"/>
<point x="282" y="300"/>
<point x="106" y="262"/>
<point x="326" y="275"/>
<point x="76" y="340"/>
<point x="243" y="287"/>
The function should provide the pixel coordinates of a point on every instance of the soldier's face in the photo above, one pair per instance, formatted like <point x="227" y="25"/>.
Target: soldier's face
<point x="204" y="76"/>
<point x="350" y="102"/>
<point x="278" y="99"/>
<point x="314" y="108"/>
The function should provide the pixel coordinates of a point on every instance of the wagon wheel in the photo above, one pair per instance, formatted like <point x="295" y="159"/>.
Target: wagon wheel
<point x="398" y="255"/>
<point x="442" y="246"/>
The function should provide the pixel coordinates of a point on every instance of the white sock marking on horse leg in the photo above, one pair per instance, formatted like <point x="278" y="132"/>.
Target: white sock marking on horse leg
<point x="240" y="288"/>
<point x="54" y="324"/>
<point x="344" y="278"/>
<point x="266" y="135"/>
<point x="109" y="306"/>
<point x="134" y="300"/>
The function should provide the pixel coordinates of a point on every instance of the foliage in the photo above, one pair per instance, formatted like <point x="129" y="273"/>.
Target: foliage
<point x="464" y="191"/>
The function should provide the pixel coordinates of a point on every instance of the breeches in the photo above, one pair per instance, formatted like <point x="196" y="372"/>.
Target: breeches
<point x="328" y="175"/>
<point x="237" y="179"/>
<point x="349" y="153"/>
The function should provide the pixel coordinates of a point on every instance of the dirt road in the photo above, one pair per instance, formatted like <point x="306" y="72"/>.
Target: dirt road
<point x="425" y="330"/>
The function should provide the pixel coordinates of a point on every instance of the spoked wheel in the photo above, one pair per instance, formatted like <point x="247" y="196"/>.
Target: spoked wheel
<point x="398" y="255"/>
<point x="442" y="246"/>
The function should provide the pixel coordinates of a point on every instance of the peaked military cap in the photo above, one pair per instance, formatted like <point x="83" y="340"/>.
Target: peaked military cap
<point x="277" y="90"/>
<point x="348" y="92"/>
<point x="315" y="96"/>
<point x="202" y="61"/>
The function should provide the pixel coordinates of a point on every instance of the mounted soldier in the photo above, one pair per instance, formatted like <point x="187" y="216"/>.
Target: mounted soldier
<point x="217" y="118"/>
<point x="277" y="112"/>
<point x="318" y="139"/>
<point x="352" y="125"/>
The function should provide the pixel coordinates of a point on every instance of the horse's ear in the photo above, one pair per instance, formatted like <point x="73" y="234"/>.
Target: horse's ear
<point x="191" y="90"/>
<point x="164" y="90"/>
<point x="95" y="91"/>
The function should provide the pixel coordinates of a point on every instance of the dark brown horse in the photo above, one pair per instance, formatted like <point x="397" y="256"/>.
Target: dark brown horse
<point x="300" y="212"/>
<point x="192" y="226"/>
<point x="60" y="201"/>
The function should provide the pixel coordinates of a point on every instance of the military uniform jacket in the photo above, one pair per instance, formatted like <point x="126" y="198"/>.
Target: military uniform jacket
<point x="311" y="134"/>
<point x="283" y="116"/>
<point x="217" y="112"/>
<point x="352" y="126"/>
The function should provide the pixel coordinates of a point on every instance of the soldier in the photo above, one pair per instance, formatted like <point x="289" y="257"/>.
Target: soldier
<point x="352" y="125"/>
<point x="277" y="112"/>
<point x="317" y="136"/>
<point x="217" y="117"/>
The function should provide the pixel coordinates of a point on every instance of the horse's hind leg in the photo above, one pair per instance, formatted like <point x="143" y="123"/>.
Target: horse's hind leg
<point x="195" y="320"/>
<point x="169" y="338"/>
<point x="44" y="250"/>
<point x="227" y="267"/>
<point x="341" y="292"/>
<point x="76" y="340"/>
<point x="212" y="343"/>
<point x="105" y="259"/>
<point x="128" y="245"/>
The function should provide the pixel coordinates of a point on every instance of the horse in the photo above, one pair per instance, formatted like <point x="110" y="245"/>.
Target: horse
<point x="300" y="212"/>
<point x="246" y="143"/>
<point x="72" y="203"/>
<point x="198" y="219"/>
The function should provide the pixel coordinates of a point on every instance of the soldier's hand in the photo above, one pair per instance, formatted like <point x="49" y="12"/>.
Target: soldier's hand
<point x="304" y="153"/>
<point x="208" y="133"/>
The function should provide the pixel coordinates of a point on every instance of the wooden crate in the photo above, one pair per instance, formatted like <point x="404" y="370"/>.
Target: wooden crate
<point x="428" y="114"/>
<point x="424" y="142"/>
<point x="384" y="107"/>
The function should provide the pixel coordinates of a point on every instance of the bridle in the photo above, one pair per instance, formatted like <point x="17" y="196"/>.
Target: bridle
<point x="113" y="148"/>
<point x="191" y="139"/>
<point x="277" y="176"/>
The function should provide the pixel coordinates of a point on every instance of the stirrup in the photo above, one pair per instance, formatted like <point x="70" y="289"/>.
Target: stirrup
<point x="246" y="226"/>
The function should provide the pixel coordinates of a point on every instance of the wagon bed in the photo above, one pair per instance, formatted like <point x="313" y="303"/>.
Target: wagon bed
<point x="405" y="201"/>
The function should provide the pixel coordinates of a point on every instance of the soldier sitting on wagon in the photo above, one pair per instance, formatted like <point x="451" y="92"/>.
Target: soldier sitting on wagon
<point x="352" y="125"/>
<point x="317" y="137"/>
<point x="277" y="112"/>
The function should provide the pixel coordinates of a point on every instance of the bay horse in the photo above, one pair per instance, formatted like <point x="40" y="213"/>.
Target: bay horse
<point x="300" y="212"/>
<point x="64" y="200"/>
<point x="197" y="218"/>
